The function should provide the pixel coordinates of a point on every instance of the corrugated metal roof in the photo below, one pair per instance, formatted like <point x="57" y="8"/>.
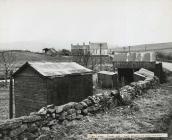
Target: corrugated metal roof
<point x="107" y="72"/>
<point x="55" y="69"/>
<point x="135" y="56"/>
<point x="145" y="72"/>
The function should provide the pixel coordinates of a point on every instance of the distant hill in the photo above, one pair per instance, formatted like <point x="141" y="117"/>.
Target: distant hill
<point x="34" y="46"/>
<point x="164" y="47"/>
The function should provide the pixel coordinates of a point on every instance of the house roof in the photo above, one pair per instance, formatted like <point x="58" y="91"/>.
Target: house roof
<point x="50" y="49"/>
<point x="107" y="72"/>
<point x="57" y="69"/>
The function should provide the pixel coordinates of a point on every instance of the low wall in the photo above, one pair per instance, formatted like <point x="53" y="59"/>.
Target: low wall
<point x="32" y="126"/>
<point x="129" y="92"/>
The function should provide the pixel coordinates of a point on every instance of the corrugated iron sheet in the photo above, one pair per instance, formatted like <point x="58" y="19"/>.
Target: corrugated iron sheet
<point x="52" y="69"/>
<point x="145" y="72"/>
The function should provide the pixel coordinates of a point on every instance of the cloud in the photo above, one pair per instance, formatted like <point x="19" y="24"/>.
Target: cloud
<point x="122" y="22"/>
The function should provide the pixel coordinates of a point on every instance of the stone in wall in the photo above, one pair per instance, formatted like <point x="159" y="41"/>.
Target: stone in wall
<point x="129" y="92"/>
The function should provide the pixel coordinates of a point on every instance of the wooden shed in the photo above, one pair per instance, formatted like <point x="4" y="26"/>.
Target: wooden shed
<point x="107" y="79"/>
<point x="37" y="84"/>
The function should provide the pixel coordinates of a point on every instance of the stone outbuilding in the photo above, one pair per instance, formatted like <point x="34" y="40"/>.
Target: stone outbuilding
<point x="37" y="84"/>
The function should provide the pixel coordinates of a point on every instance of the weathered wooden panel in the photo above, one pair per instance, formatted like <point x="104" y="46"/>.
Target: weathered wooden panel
<point x="28" y="72"/>
<point x="107" y="81"/>
<point x="80" y="87"/>
<point x="69" y="88"/>
<point x="30" y="92"/>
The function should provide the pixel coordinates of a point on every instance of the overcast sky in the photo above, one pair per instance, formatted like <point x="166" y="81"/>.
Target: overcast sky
<point x="62" y="22"/>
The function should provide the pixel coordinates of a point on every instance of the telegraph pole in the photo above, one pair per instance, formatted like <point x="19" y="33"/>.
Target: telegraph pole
<point x="129" y="47"/>
<point x="124" y="49"/>
<point x="100" y="56"/>
<point x="145" y="48"/>
<point x="11" y="96"/>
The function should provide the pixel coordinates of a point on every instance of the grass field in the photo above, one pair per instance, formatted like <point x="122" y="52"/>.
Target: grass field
<point x="20" y="57"/>
<point x="150" y="113"/>
<point x="4" y="103"/>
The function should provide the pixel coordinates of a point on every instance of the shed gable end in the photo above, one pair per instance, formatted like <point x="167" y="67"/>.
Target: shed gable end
<point x="28" y="71"/>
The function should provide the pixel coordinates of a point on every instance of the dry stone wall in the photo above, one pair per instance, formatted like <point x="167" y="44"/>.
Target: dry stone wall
<point x="32" y="126"/>
<point x="129" y="92"/>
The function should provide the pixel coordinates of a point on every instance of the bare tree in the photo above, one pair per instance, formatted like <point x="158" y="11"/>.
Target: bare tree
<point x="93" y="61"/>
<point x="7" y="59"/>
<point x="77" y="55"/>
<point x="82" y="56"/>
<point x="86" y="58"/>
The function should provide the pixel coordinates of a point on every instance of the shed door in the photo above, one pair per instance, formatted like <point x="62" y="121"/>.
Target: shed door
<point x="126" y="75"/>
<point x="58" y="91"/>
<point x="75" y="88"/>
<point x="63" y="87"/>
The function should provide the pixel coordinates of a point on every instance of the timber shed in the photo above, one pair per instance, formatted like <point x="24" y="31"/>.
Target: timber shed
<point x="37" y="84"/>
<point x="107" y="79"/>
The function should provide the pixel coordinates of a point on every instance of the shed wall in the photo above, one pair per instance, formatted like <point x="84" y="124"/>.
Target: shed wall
<point x="69" y="88"/>
<point x="107" y="81"/>
<point x="30" y="92"/>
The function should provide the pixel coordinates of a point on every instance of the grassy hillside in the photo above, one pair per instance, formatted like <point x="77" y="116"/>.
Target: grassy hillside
<point x="162" y="47"/>
<point x="20" y="57"/>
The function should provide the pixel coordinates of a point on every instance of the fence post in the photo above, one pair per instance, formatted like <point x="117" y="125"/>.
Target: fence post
<point x="11" y="96"/>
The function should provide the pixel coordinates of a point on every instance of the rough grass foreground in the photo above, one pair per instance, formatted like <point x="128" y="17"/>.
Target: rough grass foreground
<point x="4" y="103"/>
<point x="149" y="113"/>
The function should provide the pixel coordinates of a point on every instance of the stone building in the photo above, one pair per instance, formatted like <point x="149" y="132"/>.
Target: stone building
<point x="94" y="49"/>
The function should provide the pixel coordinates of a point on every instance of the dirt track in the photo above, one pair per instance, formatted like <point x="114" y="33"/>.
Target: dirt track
<point x="169" y="88"/>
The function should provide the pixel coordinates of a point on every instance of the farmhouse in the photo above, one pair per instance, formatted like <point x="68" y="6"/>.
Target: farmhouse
<point x="98" y="48"/>
<point x="49" y="51"/>
<point x="37" y="84"/>
<point x="95" y="49"/>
